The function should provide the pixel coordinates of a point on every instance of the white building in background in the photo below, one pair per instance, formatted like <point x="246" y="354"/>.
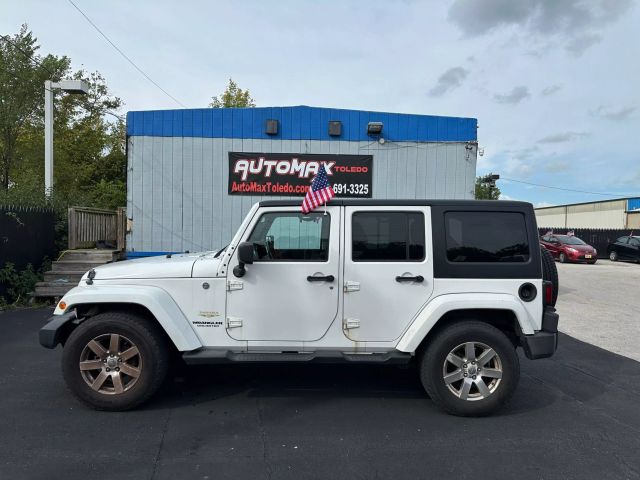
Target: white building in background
<point x="607" y="214"/>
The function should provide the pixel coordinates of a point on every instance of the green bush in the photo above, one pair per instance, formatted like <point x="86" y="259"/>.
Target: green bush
<point x="20" y="284"/>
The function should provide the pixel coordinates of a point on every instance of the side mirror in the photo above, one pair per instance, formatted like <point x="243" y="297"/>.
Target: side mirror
<point x="245" y="253"/>
<point x="245" y="257"/>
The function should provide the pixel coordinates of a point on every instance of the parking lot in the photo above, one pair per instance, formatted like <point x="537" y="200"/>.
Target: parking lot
<point x="600" y="304"/>
<point x="573" y="416"/>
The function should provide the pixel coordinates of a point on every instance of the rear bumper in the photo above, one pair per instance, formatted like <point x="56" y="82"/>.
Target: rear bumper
<point x="583" y="258"/>
<point x="56" y="329"/>
<point x="544" y="343"/>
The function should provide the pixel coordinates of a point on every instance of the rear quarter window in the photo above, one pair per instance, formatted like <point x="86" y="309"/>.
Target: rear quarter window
<point x="494" y="237"/>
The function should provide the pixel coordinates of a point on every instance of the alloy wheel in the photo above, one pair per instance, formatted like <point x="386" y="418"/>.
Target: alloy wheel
<point x="110" y="364"/>
<point x="472" y="371"/>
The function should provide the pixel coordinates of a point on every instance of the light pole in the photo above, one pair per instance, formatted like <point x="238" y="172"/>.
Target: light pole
<point x="69" y="86"/>
<point x="490" y="181"/>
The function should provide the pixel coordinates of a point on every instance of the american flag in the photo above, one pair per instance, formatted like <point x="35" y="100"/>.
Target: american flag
<point x="319" y="193"/>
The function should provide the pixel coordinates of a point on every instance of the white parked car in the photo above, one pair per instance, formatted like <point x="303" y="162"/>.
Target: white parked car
<point x="455" y="286"/>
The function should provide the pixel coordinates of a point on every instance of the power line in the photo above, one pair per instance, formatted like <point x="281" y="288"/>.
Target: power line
<point x="125" y="56"/>
<point x="568" y="189"/>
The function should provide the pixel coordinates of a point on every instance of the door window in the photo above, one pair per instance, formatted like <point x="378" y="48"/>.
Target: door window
<point x="634" y="242"/>
<point x="387" y="237"/>
<point x="291" y="236"/>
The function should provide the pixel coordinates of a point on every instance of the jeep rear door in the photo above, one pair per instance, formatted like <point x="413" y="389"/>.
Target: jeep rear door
<point x="388" y="270"/>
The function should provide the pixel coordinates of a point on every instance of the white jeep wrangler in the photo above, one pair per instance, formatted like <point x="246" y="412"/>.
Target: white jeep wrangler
<point x="455" y="286"/>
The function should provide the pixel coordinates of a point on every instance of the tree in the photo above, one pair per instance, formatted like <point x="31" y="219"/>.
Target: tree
<point x="233" y="96"/>
<point x="89" y="151"/>
<point x="486" y="188"/>
<point x="22" y="77"/>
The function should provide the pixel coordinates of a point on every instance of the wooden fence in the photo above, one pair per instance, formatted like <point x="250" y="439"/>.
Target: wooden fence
<point x="89" y="226"/>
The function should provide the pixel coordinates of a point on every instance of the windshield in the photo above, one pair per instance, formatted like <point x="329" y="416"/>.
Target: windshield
<point x="570" y="240"/>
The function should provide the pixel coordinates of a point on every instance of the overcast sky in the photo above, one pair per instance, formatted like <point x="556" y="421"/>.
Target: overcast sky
<point x="554" y="84"/>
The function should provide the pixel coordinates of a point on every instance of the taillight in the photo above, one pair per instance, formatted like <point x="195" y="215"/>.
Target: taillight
<point x="548" y="292"/>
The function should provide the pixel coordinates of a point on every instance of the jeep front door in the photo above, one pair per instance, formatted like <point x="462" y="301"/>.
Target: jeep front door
<point x="290" y="292"/>
<point x="388" y="270"/>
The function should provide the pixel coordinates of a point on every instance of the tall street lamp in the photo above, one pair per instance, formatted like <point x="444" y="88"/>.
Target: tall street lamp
<point x="69" y="86"/>
<point x="490" y="181"/>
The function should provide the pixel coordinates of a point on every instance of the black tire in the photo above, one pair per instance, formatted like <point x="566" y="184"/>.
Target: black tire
<point x="152" y="360"/>
<point x="433" y="360"/>
<point x="613" y="256"/>
<point x="550" y="273"/>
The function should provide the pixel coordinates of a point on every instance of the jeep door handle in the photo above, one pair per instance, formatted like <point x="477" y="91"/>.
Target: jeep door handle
<point x="417" y="278"/>
<point x="319" y="278"/>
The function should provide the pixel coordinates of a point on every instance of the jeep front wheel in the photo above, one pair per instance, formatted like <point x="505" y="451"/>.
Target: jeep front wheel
<point x="470" y="369"/>
<point x="115" y="361"/>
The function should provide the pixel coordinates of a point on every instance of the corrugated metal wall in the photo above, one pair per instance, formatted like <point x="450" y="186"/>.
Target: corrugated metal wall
<point x="297" y="123"/>
<point x="178" y="164"/>
<point x="633" y="220"/>
<point x="607" y="214"/>
<point x="177" y="186"/>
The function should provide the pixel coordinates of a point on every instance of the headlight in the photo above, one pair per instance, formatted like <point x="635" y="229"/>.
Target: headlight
<point x="572" y="250"/>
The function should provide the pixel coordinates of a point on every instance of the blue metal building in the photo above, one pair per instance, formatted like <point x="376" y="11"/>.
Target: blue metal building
<point x="179" y="191"/>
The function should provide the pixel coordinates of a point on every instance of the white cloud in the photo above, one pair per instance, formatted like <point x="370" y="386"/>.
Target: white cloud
<point x="516" y="95"/>
<point x="579" y="44"/>
<point x="576" y="23"/>
<point x="550" y="90"/>
<point x="563" y="137"/>
<point x="449" y="80"/>
<point x="617" y="115"/>
<point x="557" y="166"/>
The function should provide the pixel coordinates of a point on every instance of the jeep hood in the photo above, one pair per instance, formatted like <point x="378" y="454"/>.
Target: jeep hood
<point x="175" y="266"/>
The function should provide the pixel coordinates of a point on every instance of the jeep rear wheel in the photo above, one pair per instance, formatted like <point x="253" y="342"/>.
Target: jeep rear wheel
<point x="470" y="369"/>
<point x="115" y="361"/>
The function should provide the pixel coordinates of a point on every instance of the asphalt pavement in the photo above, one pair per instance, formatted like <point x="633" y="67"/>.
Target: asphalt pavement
<point x="599" y="304"/>
<point x="573" y="416"/>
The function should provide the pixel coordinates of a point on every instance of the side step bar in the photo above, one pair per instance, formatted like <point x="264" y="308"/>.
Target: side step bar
<point x="207" y="356"/>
